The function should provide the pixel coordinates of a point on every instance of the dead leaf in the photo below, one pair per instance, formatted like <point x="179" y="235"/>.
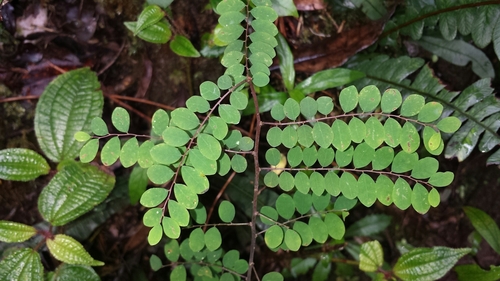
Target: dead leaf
<point x="309" y="5"/>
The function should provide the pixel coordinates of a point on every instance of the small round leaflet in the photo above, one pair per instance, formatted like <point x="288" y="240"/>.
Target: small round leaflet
<point x="197" y="240"/>
<point x="292" y="240"/>
<point x="260" y="79"/>
<point x="238" y="163"/>
<point x="152" y="217"/>
<point x="99" y="127"/>
<point x="369" y="98"/>
<point x="226" y="211"/>
<point x="120" y="119"/>
<point x="175" y="137"/>
<point x="285" y="206"/>
<point x="159" y="174"/>
<point x="110" y="151"/>
<point x="391" y="100"/>
<point x="153" y="197"/>
<point x="209" y="146"/>
<point x="273" y="236"/>
<point x="213" y="239"/>
<point x="155" y="234"/>
<point x="89" y="151"/>
<point x="209" y="91"/>
<point x="160" y="121"/>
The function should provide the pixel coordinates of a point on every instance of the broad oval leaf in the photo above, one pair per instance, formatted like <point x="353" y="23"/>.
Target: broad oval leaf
<point x="209" y="146"/>
<point x="178" y="213"/>
<point x="12" y="232"/>
<point x="186" y="196"/>
<point x="485" y="225"/>
<point x="305" y="232"/>
<point x="158" y="33"/>
<point x="371" y="256"/>
<point x="184" y="119"/>
<point x="336" y="227"/>
<point x="155" y="233"/>
<point x="391" y="100"/>
<point x="171" y="250"/>
<point x="369" y="98"/>
<point x="401" y="194"/>
<point x="229" y="114"/>
<point x="226" y="211"/>
<point x="430" y="112"/>
<point x="322" y="134"/>
<point x="274" y="236"/>
<point x="99" y="127"/>
<point x="171" y="228"/>
<point x="165" y="154"/>
<point x="55" y="123"/>
<point x="194" y="179"/>
<point x="348" y="98"/>
<point x="22" y="264"/>
<point x="160" y="174"/>
<point x="129" y="153"/>
<point x="292" y="109"/>
<point x="320" y="233"/>
<point x="20" y="164"/>
<point x="183" y="47"/>
<point x="160" y="121"/>
<point x="197" y="240"/>
<point x="175" y="137"/>
<point x="213" y="239"/>
<point x="150" y="15"/>
<point x="375" y="132"/>
<point x="341" y="135"/>
<point x="412" y="105"/>
<point x="285" y="206"/>
<point x="72" y="272"/>
<point x="111" y="151"/>
<point x="66" y="249"/>
<point x="292" y="240"/>
<point x="422" y="264"/>
<point x="363" y="155"/>
<point x="73" y="191"/>
<point x="209" y="91"/>
<point x="409" y="139"/>
<point x="152" y="217"/>
<point x="420" y="199"/>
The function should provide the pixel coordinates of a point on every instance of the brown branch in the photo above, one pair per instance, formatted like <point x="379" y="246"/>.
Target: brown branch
<point x="22" y="98"/>
<point x="130" y="108"/>
<point x="164" y="106"/>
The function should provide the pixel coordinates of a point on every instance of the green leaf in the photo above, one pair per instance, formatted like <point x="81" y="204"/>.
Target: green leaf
<point x="197" y="240"/>
<point x="286" y="59"/>
<point x="391" y="100"/>
<point x="412" y="105"/>
<point x="267" y="27"/>
<point x="260" y="79"/>
<point x="231" y="18"/>
<point x="238" y="100"/>
<point x="213" y="239"/>
<point x="160" y="121"/>
<point x="152" y="218"/>
<point x="294" y="156"/>
<point x="363" y="155"/>
<point x="474" y="272"/>
<point x="368" y="226"/>
<point x="153" y="197"/>
<point x="375" y="132"/>
<point x="291" y="109"/>
<point x="171" y="250"/>
<point x="66" y="249"/>
<point x="229" y="6"/>
<point x="82" y="136"/>
<point x="165" y="154"/>
<point x="264" y="13"/>
<point x="348" y="98"/>
<point x="278" y="112"/>
<point x="22" y="264"/>
<point x="341" y="135"/>
<point x="271" y="179"/>
<point x="158" y="33"/>
<point x="302" y="182"/>
<point x="420" y="199"/>
<point x="12" y="232"/>
<point x="285" y="206"/>
<point x="374" y="9"/>
<point x="369" y="98"/>
<point x="209" y="91"/>
<point x="194" y="179"/>
<point x="425" y="168"/>
<point x="383" y="158"/>
<point x="310" y="156"/>
<point x="218" y="126"/>
<point x="183" y="47"/>
<point x="333" y="186"/>
<point x="274" y="236"/>
<point x="304" y="231"/>
<point x="357" y="129"/>
<point x="99" y="127"/>
<point x="199" y="214"/>
<point x="335" y="225"/>
<point x="186" y="196"/>
<point x="129" y="153"/>
<point x="160" y="174"/>
<point x="155" y="262"/>
<point x="434" y="197"/>
<point x="230" y="33"/>
<point x="150" y="15"/>
<point x="73" y="191"/>
<point x="485" y="225"/>
<point x="22" y="164"/>
<point x="209" y="146"/>
<point x="292" y="240"/>
<point x="137" y="183"/>
<point x="197" y="104"/>
<point x="384" y="190"/>
<point x="404" y="162"/>
<point x="174" y="136"/>
<point x="111" y="151"/>
<point x="322" y="134"/>
<point x="286" y="181"/>
<point x="330" y="78"/>
<point x="71" y="272"/>
<point x="427" y="263"/>
<point x="178" y="213"/>
<point x="238" y="163"/>
<point x="393" y="132"/>
<point x="430" y="112"/>
<point x="459" y="53"/>
<point x="268" y="215"/>
<point x="184" y="119"/>
<point x="171" y="228"/>
<point x="440" y="179"/>
<point x="318" y="185"/>
<point x="325" y="105"/>
<point x="308" y="107"/>
<point x="226" y="211"/>
<point x="409" y="139"/>
<point x="55" y="123"/>
<point x="367" y="192"/>
<point x="349" y="185"/>
<point x="304" y="134"/>
<point x="344" y="158"/>
<point x="371" y="256"/>
<point x="145" y="160"/>
<point x="229" y="114"/>
<point x="401" y="194"/>
<point x="155" y="234"/>
<point x="320" y="233"/>
<point x="273" y="276"/>
<point x="121" y="119"/>
<point x="178" y="273"/>
<point x="225" y="82"/>
<point x="449" y="124"/>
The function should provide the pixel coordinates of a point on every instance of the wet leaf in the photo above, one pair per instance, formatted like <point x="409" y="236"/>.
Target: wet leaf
<point x="485" y="225"/>
<point x="66" y="249"/>
<point x="20" y="164"/>
<point x="150" y="15"/>
<point x="153" y="197"/>
<point x="371" y="256"/>
<point x="22" y="264"/>
<point x="328" y="79"/>
<point x="11" y="232"/>
<point x="71" y="272"/>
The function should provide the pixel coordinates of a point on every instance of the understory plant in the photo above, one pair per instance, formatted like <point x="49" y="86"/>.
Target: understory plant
<point x="309" y="160"/>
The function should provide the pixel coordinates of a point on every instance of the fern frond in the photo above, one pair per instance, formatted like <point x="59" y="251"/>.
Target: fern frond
<point x="475" y="106"/>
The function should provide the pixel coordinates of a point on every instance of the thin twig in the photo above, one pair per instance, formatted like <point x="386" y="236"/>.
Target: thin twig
<point x="219" y="195"/>
<point x="130" y="108"/>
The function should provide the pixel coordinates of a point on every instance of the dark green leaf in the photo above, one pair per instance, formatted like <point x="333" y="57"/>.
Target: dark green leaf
<point x="22" y="164"/>
<point x="226" y="211"/>
<point x="22" y="264"/>
<point x="329" y="78"/>
<point x="70" y="272"/>
<point x="427" y="263"/>
<point x="73" y="191"/>
<point x="468" y="272"/>
<point x="485" y="225"/>
<point x="336" y="227"/>
<point x="320" y="233"/>
<point x="368" y="226"/>
<point x="286" y="59"/>
<point x="55" y="125"/>
<point x="213" y="239"/>
<point x="150" y="15"/>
